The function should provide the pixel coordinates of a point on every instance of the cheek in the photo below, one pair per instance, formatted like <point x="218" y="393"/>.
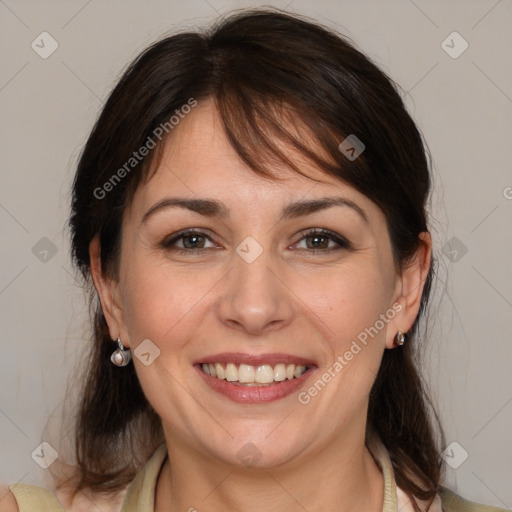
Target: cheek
<point x="352" y="303"/>
<point x="156" y="302"/>
<point x="349" y="300"/>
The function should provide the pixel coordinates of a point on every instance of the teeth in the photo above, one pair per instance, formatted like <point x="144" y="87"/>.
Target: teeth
<point x="299" y="370"/>
<point x="231" y="372"/>
<point x="220" y="371"/>
<point x="264" y="374"/>
<point x="247" y="374"/>
<point x="279" y="372"/>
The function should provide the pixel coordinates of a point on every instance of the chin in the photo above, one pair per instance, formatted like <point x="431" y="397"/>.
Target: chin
<point x="260" y="451"/>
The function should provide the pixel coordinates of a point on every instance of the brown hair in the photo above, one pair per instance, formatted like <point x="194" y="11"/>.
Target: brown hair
<point x="258" y="66"/>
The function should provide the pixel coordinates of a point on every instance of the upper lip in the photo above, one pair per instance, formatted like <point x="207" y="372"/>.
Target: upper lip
<point x="255" y="359"/>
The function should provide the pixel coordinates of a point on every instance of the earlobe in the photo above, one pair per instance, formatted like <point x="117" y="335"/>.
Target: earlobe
<point x="410" y="290"/>
<point x="107" y="290"/>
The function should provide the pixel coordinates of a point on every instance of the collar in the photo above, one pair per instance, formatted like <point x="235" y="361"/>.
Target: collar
<point x="141" y="492"/>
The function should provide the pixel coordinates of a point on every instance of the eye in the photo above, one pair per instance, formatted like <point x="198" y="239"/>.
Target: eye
<point x="320" y="240"/>
<point x="191" y="241"/>
<point x="317" y="240"/>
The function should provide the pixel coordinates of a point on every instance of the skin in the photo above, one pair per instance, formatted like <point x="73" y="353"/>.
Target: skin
<point x="288" y="300"/>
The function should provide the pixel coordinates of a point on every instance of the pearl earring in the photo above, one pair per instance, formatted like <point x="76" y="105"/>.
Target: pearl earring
<point x="121" y="356"/>
<point x="400" y="338"/>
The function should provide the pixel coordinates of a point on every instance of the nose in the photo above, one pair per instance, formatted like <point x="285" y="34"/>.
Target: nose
<point x="255" y="298"/>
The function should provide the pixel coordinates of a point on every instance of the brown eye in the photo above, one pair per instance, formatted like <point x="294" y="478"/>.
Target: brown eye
<point x="191" y="241"/>
<point x="322" y="240"/>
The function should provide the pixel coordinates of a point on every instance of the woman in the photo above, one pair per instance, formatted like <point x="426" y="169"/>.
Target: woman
<point x="250" y="208"/>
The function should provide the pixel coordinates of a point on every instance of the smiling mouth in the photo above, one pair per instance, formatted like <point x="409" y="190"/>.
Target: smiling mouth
<point x="249" y="375"/>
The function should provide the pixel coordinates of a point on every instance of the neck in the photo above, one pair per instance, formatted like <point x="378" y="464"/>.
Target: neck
<point x="344" y="476"/>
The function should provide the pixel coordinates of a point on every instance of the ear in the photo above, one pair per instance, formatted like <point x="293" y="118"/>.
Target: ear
<point x="109" y="294"/>
<point x="409" y="290"/>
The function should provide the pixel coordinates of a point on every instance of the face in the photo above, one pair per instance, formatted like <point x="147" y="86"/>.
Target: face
<point x="257" y="289"/>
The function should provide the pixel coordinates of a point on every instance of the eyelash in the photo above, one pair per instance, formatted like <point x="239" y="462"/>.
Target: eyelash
<point x="325" y="233"/>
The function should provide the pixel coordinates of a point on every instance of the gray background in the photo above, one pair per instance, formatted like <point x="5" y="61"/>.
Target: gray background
<point x="463" y="106"/>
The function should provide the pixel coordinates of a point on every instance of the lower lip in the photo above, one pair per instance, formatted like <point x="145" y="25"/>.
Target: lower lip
<point x="254" y="394"/>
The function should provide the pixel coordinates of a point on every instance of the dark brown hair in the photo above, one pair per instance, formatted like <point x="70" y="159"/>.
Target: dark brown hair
<point x="259" y="67"/>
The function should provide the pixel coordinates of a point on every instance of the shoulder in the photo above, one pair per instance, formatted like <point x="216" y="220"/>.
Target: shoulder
<point x="8" y="501"/>
<point x="31" y="498"/>
<point x="453" y="502"/>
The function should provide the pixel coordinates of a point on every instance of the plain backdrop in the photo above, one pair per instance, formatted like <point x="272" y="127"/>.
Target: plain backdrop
<point x="461" y="100"/>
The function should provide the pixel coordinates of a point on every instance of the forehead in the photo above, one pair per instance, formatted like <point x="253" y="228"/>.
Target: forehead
<point x="198" y="160"/>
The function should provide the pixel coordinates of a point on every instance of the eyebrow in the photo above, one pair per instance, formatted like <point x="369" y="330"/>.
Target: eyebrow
<point x="214" y="208"/>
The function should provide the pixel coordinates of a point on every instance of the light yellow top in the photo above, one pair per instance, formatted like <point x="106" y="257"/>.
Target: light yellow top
<point x="140" y="495"/>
